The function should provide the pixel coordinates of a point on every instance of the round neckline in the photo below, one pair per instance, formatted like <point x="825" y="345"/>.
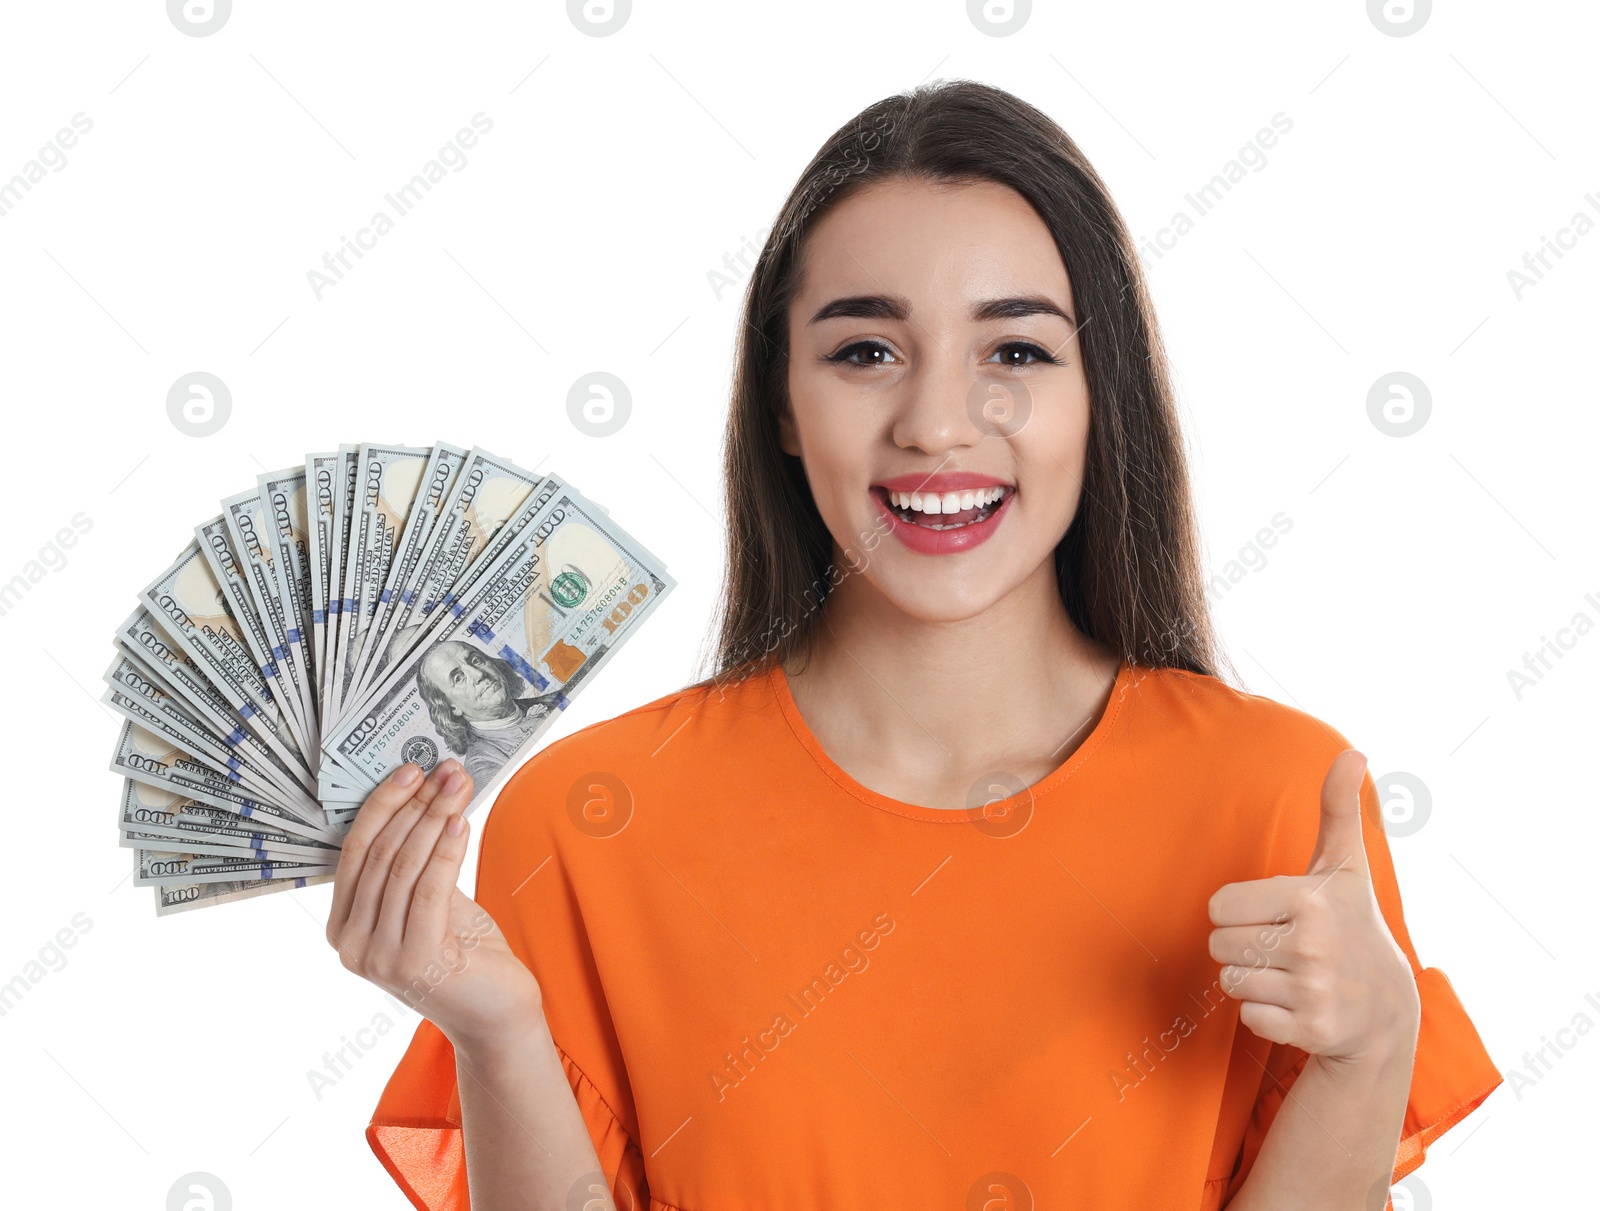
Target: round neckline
<point x="779" y="681"/>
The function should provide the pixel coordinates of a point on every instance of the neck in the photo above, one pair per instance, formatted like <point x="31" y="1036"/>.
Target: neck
<point x="1017" y="686"/>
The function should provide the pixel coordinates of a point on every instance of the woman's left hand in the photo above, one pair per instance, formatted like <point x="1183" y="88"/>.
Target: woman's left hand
<point x="1309" y="956"/>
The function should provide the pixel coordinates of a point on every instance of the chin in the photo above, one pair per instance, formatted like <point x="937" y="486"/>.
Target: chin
<point x="935" y="602"/>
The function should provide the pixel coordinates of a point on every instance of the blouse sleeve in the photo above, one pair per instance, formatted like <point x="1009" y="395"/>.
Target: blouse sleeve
<point x="523" y="883"/>
<point x="1452" y="1072"/>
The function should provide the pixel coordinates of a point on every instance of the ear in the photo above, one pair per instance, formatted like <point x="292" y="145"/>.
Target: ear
<point x="787" y="437"/>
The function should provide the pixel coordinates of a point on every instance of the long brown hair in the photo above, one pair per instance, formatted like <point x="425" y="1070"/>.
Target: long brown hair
<point x="1128" y="566"/>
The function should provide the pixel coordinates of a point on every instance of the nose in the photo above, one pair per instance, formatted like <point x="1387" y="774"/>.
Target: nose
<point x="935" y="413"/>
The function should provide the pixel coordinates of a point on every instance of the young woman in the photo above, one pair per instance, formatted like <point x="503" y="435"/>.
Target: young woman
<point x="964" y="881"/>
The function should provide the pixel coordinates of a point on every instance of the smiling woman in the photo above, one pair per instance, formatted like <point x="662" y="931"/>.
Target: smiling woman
<point x="964" y="681"/>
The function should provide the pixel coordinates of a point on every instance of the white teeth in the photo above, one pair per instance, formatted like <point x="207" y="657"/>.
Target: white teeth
<point x="949" y="502"/>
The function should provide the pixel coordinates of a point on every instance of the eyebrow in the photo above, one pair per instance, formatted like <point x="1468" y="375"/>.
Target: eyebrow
<point x="896" y="307"/>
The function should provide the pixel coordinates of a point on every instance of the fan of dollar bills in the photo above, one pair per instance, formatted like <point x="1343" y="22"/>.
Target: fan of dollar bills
<point x="378" y="605"/>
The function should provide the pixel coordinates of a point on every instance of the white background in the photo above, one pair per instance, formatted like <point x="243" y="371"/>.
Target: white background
<point x="579" y="237"/>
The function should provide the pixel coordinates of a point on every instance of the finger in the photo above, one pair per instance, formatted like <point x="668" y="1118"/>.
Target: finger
<point x="1272" y="1022"/>
<point x="1251" y="945"/>
<point x="1263" y="985"/>
<point x="430" y="902"/>
<point x="1339" y="844"/>
<point x="1257" y="901"/>
<point x="380" y="855"/>
<point x="413" y="856"/>
<point x="380" y="805"/>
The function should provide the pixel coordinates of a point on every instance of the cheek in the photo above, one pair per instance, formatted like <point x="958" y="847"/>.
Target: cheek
<point x="1050" y="455"/>
<point x="834" y="437"/>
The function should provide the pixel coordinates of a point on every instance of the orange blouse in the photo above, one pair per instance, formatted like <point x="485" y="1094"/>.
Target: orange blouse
<point x="773" y="987"/>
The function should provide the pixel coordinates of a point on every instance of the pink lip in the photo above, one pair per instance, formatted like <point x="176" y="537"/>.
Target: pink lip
<point x="941" y="542"/>
<point x="949" y="481"/>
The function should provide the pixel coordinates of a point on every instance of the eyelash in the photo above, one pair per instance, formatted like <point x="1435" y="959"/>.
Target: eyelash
<point x="843" y="355"/>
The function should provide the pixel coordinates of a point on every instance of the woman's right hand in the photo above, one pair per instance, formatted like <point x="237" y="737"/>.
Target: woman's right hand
<point x="399" y="920"/>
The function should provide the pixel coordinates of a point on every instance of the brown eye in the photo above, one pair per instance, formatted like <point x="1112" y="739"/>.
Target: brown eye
<point x="878" y="354"/>
<point x="1012" y="353"/>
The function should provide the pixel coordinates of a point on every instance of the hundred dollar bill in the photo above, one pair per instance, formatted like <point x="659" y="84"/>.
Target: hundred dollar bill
<point x="249" y="530"/>
<point x="263" y="853"/>
<point x="488" y="491"/>
<point x="554" y="607"/>
<point x="162" y="818"/>
<point x="386" y="486"/>
<point x="283" y="500"/>
<point x="438" y="477"/>
<point x="344" y="504"/>
<point x="188" y="604"/>
<point x="155" y="761"/>
<point x="222" y="558"/>
<point x="182" y="897"/>
<point x="333" y="794"/>
<point x="322" y="484"/>
<point x="153" y="866"/>
<point x="504" y="535"/>
<point x="492" y="499"/>
<point x="136" y="694"/>
<point x="152" y="652"/>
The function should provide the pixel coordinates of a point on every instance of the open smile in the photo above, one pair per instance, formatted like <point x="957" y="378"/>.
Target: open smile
<point x="943" y="514"/>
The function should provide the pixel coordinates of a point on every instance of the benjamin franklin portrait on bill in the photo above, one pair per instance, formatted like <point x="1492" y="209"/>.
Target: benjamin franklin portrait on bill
<point x="472" y="700"/>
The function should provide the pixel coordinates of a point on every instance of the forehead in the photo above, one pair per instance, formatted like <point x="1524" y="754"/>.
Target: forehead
<point x="941" y="245"/>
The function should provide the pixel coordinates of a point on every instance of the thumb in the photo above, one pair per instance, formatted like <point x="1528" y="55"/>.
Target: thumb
<point x="1339" y="842"/>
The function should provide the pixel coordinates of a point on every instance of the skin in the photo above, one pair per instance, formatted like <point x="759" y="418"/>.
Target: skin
<point x="1335" y="984"/>
<point x="876" y="693"/>
<point x="876" y="687"/>
<point x="876" y="690"/>
<point x="399" y="920"/>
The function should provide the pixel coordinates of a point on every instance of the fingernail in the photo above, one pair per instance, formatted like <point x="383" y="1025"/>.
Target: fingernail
<point x="455" y="825"/>
<point x="455" y="782"/>
<point x="407" y="774"/>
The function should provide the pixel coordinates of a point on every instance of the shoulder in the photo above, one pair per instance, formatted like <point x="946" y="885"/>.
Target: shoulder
<point x="1193" y="708"/>
<point x="1265" y="758"/>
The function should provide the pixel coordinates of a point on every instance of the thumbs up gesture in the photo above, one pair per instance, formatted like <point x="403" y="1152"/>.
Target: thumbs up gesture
<point x="1309" y="957"/>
